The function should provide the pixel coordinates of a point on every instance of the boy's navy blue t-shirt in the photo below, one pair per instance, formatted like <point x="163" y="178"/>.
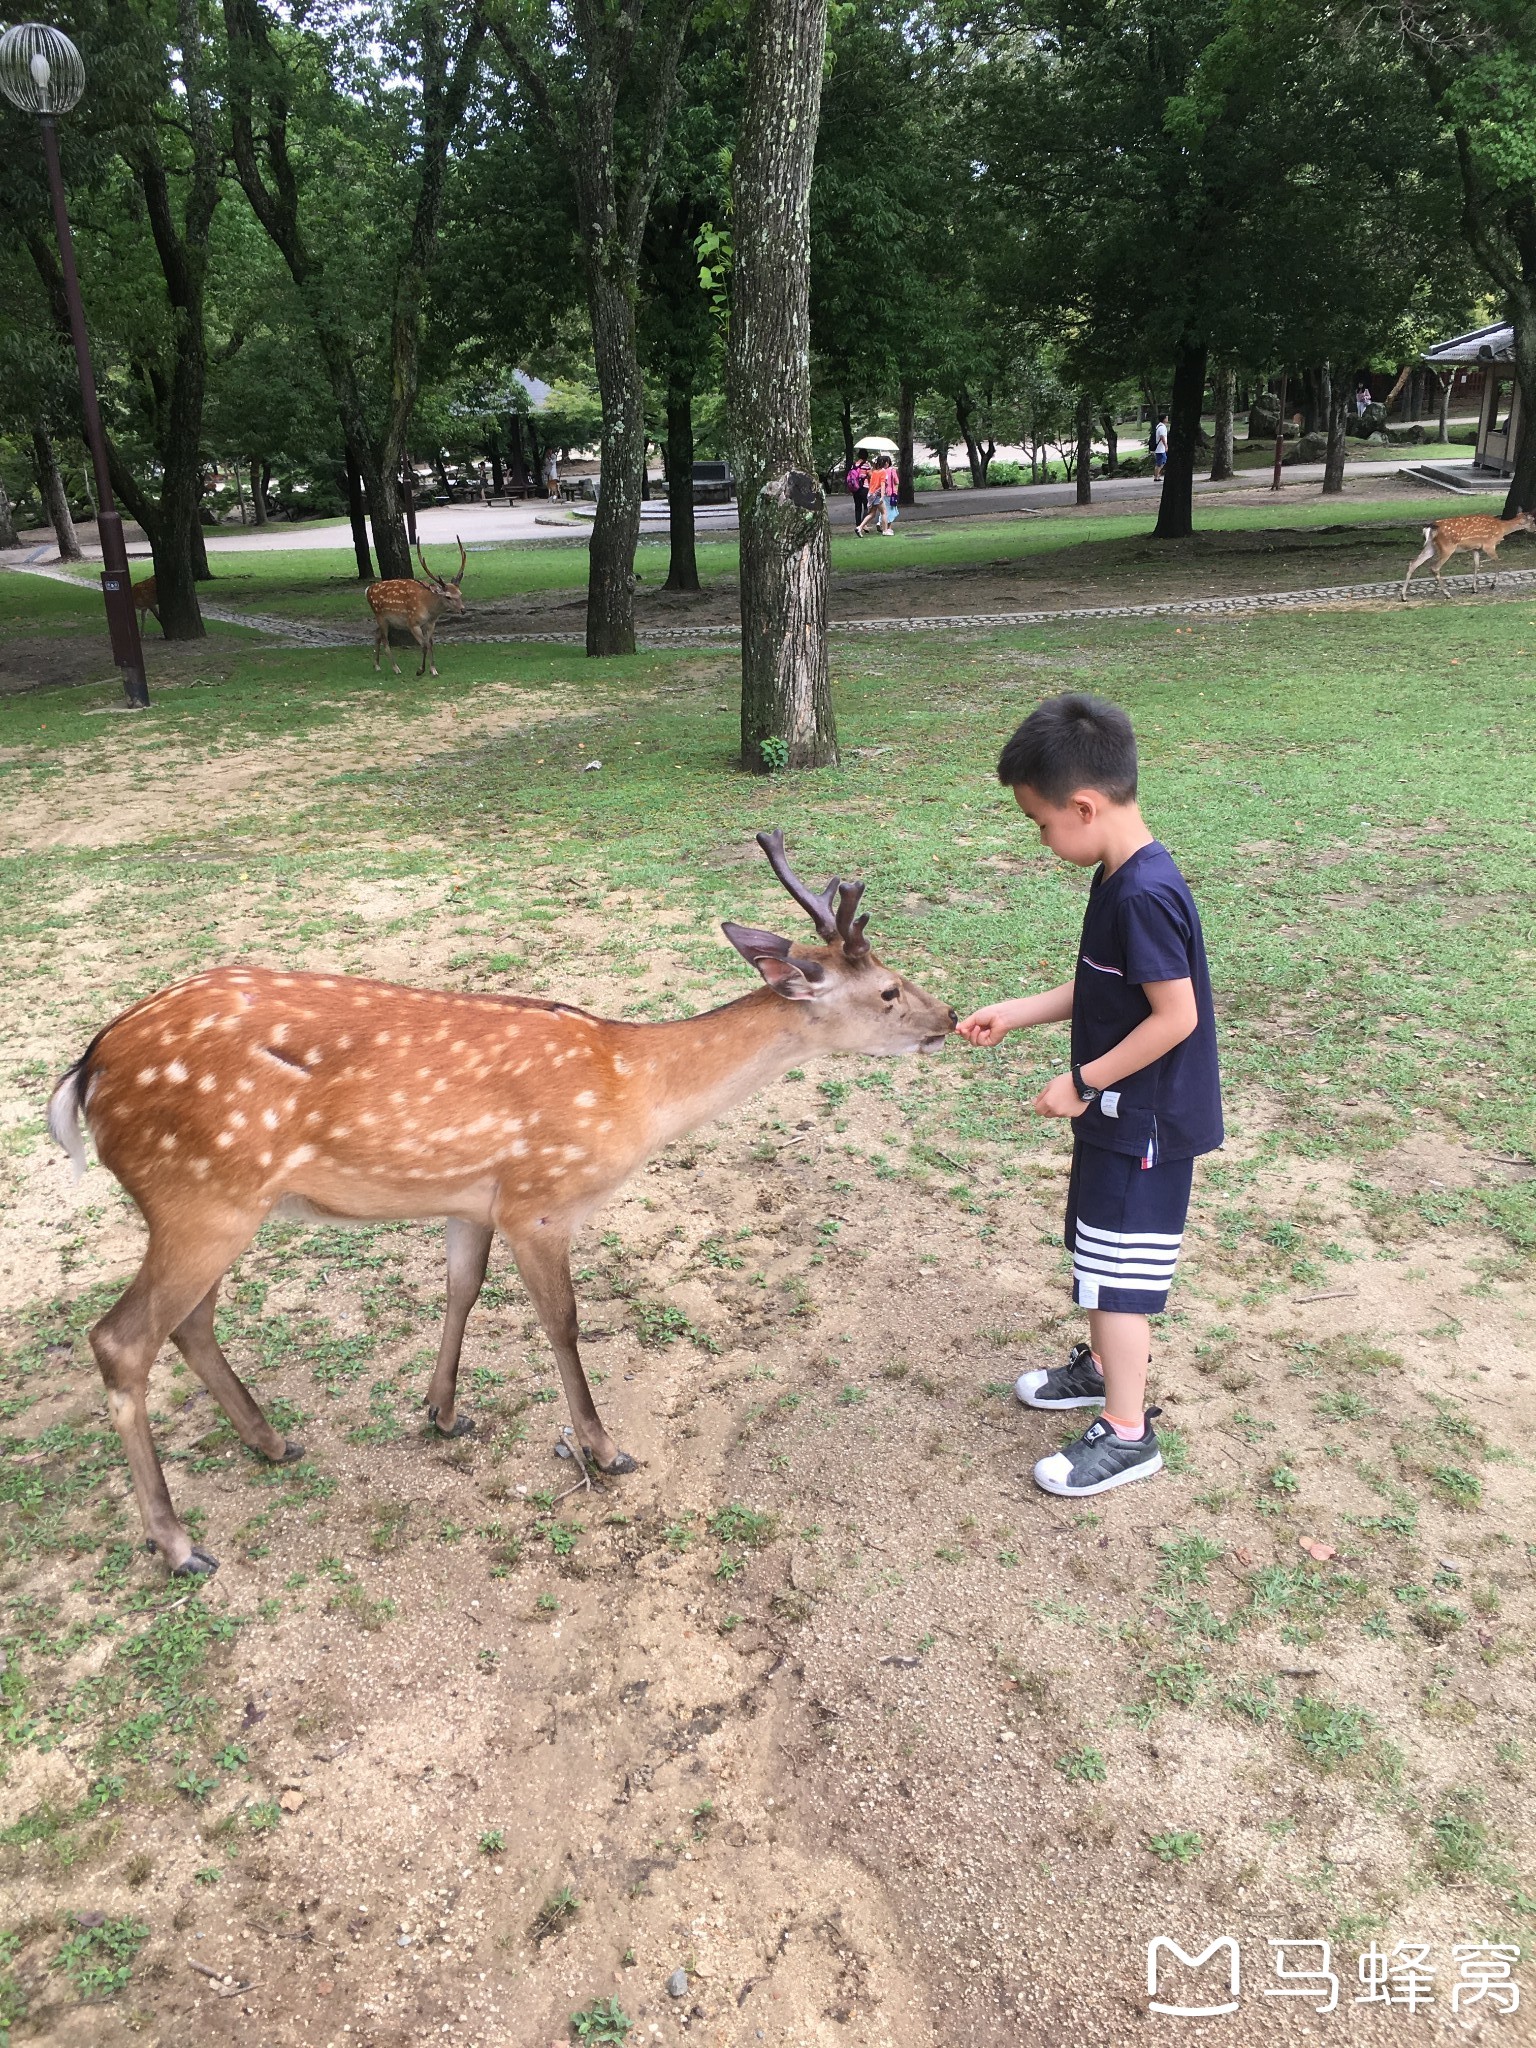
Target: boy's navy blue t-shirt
<point x="1141" y="925"/>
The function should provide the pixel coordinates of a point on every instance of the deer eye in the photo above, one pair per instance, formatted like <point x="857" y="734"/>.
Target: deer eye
<point x="889" y="995"/>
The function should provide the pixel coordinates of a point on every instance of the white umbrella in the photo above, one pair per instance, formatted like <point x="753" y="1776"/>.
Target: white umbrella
<point x="878" y="443"/>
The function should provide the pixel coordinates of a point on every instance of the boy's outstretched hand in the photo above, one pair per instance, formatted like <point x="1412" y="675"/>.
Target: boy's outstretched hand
<point x="985" y="1027"/>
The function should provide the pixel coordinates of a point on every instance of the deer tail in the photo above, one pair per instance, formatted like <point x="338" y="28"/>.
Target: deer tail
<point x="65" y="1110"/>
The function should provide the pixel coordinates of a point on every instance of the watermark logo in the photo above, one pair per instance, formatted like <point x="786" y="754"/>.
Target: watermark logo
<point x="1407" y="1976"/>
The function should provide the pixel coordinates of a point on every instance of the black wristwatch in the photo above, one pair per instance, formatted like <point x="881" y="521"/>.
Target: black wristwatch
<point x="1085" y="1089"/>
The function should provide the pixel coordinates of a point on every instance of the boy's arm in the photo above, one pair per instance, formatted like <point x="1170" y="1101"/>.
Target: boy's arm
<point x="991" y="1025"/>
<point x="1174" y="1016"/>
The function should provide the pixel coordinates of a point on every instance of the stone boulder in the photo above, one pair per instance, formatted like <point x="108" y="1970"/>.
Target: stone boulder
<point x="1407" y="433"/>
<point x="1310" y="448"/>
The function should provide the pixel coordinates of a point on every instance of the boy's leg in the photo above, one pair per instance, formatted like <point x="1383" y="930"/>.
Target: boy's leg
<point x="1122" y="1347"/>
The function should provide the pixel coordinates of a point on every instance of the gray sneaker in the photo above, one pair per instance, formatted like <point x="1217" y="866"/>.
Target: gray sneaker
<point x="1077" y="1384"/>
<point x="1099" y="1460"/>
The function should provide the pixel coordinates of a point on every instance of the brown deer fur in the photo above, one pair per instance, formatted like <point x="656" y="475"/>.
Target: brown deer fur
<point x="1479" y="533"/>
<point x="246" y="1090"/>
<point x="414" y="607"/>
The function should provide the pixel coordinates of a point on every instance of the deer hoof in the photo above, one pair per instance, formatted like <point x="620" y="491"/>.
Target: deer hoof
<point x="290" y="1453"/>
<point x="622" y="1463"/>
<point x="197" y="1564"/>
<point x="461" y="1425"/>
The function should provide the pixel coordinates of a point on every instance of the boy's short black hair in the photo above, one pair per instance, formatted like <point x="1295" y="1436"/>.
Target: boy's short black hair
<point x="1072" y="742"/>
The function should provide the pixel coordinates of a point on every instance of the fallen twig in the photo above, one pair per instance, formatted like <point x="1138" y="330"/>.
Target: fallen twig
<point x="1330" y="1294"/>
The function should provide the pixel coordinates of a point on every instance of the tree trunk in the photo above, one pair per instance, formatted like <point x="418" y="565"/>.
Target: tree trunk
<point x="1522" y="485"/>
<point x="1221" y="443"/>
<point x="493" y="449"/>
<point x="941" y="449"/>
<point x="1339" y="398"/>
<point x="786" y="701"/>
<point x="965" y="410"/>
<point x="357" y="515"/>
<point x="1112" y="441"/>
<point x="1084" y="449"/>
<point x="849" y="451"/>
<point x="1443" y="423"/>
<point x="55" y="498"/>
<point x="515" y="451"/>
<point x="259" y="513"/>
<point x="682" y="561"/>
<point x="906" y="409"/>
<point x="616" y="529"/>
<point x="1175" y="513"/>
<point x="9" y="537"/>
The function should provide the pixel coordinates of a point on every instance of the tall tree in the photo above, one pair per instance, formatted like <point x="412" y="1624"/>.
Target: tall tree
<point x="786" y="700"/>
<point x="601" y="79"/>
<point x="1478" y="60"/>
<point x="415" y="87"/>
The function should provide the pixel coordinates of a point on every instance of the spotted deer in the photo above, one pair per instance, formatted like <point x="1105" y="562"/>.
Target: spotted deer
<point x="248" y="1091"/>
<point x="1479" y="533"/>
<point x="145" y="600"/>
<point x="415" y="607"/>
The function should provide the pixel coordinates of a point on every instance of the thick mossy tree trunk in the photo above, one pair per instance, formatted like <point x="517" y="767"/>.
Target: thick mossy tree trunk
<point x="50" y="484"/>
<point x="1336" y="396"/>
<point x="786" y="701"/>
<point x="1175" y="514"/>
<point x="1084" y="463"/>
<point x="1222" y="390"/>
<point x="683" y="561"/>
<point x="621" y="446"/>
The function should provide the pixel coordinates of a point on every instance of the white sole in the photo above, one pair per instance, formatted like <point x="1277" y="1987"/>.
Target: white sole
<point x="1077" y="1401"/>
<point x="1125" y="1478"/>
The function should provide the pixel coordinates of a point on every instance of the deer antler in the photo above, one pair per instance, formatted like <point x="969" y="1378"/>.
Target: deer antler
<point x="850" y="929"/>
<point x="463" y="561"/>
<point x="430" y="574"/>
<point x="817" y="908"/>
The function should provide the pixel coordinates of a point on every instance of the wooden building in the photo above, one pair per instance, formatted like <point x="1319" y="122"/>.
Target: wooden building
<point x="1490" y="350"/>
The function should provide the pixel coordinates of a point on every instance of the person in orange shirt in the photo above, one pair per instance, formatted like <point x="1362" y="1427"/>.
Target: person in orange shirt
<point x="881" y="484"/>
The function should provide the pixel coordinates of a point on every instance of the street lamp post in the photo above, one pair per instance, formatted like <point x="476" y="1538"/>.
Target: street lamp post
<point x="41" y="72"/>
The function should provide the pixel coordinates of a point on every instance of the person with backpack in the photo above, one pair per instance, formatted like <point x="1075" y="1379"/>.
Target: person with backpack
<point x="857" y="480"/>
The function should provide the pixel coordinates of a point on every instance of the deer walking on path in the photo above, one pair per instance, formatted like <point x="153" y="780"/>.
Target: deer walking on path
<point x="246" y="1091"/>
<point x="1478" y="532"/>
<point x="415" y="607"/>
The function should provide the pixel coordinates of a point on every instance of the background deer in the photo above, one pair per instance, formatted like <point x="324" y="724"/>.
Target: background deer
<point x="1479" y="532"/>
<point x="245" y="1089"/>
<point x="415" y="607"/>
<point x="146" y="600"/>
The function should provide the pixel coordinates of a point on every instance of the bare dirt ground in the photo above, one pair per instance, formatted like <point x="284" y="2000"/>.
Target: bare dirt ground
<point x="793" y="1708"/>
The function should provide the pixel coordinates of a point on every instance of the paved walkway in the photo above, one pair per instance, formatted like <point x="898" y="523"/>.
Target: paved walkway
<point x="296" y="633"/>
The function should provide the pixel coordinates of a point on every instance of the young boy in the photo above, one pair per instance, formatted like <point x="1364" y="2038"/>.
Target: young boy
<point x="1144" y="1094"/>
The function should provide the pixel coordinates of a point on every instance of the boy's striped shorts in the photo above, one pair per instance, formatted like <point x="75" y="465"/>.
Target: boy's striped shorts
<point x="1125" y="1226"/>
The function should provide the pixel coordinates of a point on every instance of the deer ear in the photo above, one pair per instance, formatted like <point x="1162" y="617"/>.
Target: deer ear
<point x="797" y="981"/>
<point x="754" y="945"/>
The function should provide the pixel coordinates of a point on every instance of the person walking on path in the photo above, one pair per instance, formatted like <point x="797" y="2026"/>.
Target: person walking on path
<point x="879" y="483"/>
<point x="551" y="474"/>
<point x="857" y="481"/>
<point x="1160" y="446"/>
<point x="1144" y="1090"/>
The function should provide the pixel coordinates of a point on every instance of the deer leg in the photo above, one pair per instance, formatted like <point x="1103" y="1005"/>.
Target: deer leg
<point x="1418" y="562"/>
<point x="420" y="639"/>
<point x="165" y="1291"/>
<point x="544" y="1261"/>
<point x="194" y="1338"/>
<point x="1477" y="568"/>
<point x="469" y="1252"/>
<point x="380" y="641"/>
